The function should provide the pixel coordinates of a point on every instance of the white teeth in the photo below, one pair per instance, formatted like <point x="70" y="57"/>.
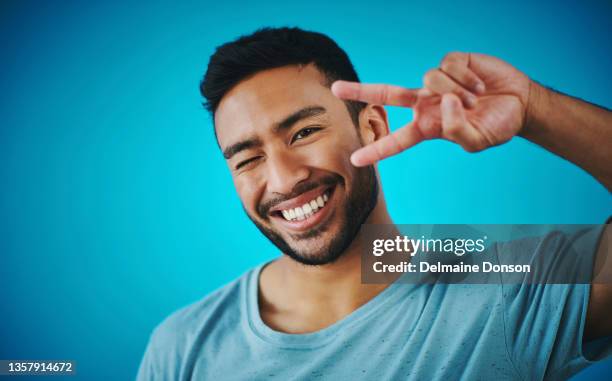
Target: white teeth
<point x="320" y="202"/>
<point x="314" y="205"/>
<point x="286" y="214"/>
<point x="302" y="212"/>
<point x="307" y="209"/>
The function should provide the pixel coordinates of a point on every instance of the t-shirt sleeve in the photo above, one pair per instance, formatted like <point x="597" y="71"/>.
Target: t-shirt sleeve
<point x="147" y="369"/>
<point x="161" y="358"/>
<point x="544" y="323"/>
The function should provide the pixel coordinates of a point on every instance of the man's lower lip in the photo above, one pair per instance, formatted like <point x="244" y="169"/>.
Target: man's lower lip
<point x="313" y="220"/>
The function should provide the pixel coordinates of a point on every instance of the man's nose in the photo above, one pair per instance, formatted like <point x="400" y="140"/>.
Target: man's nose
<point x="284" y="172"/>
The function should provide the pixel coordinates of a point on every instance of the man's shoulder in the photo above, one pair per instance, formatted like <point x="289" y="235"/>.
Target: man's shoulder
<point x="220" y="307"/>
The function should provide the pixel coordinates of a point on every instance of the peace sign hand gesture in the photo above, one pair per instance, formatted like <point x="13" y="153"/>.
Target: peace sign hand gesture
<point x="474" y="100"/>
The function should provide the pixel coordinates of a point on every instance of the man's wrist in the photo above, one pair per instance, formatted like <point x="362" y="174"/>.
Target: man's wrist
<point x="538" y="101"/>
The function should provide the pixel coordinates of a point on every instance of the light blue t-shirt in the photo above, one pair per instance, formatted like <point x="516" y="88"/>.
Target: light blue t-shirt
<point x="408" y="331"/>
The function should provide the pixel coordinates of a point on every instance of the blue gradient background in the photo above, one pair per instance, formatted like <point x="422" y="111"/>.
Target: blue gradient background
<point x="117" y="208"/>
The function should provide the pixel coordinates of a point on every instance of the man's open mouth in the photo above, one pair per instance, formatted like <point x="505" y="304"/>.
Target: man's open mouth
<point x="306" y="210"/>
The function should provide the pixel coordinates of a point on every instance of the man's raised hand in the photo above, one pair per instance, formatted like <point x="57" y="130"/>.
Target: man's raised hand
<point x="474" y="100"/>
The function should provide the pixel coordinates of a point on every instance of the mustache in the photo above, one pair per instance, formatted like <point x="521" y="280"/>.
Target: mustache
<point x="264" y="207"/>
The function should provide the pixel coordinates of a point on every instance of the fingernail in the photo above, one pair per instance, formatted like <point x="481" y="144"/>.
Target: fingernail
<point x="334" y="87"/>
<point x="471" y="100"/>
<point x="448" y="101"/>
<point x="480" y="88"/>
<point x="355" y="159"/>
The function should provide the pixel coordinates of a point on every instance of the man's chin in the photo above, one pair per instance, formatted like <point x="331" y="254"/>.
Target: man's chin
<point x="312" y="258"/>
<point x="313" y="250"/>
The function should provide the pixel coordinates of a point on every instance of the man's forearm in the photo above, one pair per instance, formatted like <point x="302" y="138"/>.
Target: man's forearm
<point x="571" y="128"/>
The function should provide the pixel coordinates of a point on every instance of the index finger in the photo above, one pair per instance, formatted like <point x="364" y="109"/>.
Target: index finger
<point x="389" y="145"/>
<point x="375" y="93"/>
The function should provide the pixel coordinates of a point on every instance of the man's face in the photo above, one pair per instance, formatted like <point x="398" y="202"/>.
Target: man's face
<point x="287" y="140"/>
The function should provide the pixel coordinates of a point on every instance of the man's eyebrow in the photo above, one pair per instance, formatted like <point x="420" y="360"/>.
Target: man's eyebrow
<point x="304" y="113"/>
<point x="286" y="123"/>
<point x="241" y="146"/>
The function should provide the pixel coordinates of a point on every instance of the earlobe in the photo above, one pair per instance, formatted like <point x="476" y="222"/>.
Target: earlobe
<point x="373" y="123"/>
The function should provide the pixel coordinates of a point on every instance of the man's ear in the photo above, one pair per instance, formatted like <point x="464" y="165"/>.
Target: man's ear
<point x="373" y="123"/>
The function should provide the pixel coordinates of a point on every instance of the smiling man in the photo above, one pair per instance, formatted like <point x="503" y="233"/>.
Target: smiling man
<point x="313" y="204"/>
<point x="301" y="136"/>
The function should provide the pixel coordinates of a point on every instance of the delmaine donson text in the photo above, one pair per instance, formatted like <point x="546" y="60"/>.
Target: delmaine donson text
<point x="459" y="247"/>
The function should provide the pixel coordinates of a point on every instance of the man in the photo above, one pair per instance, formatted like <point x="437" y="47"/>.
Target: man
<point x="301" y="137"/>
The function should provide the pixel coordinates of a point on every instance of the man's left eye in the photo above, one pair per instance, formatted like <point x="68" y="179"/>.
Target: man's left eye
<point x="305" y="132"/>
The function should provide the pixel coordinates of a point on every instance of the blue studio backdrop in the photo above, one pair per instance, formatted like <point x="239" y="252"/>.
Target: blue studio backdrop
<point x="117" y="207"/>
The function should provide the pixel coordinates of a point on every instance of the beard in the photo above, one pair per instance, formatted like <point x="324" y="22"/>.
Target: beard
<point x="360" y="203"/>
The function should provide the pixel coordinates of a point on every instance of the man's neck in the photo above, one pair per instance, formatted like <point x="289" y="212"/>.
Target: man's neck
<point x="296" y="298"/>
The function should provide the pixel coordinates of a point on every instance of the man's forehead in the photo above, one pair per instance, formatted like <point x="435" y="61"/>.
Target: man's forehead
<point x="267" y="97"/>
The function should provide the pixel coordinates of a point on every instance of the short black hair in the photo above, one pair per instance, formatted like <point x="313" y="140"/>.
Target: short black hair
<point x="270" y="48"/>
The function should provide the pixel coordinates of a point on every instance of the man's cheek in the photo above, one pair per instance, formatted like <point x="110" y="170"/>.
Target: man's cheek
<point x="248" y="191"/>
<point x="249" y="205"/>
<point x="329" y="157"/>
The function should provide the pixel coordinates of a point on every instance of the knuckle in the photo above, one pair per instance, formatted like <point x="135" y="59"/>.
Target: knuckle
<point x="398" y="145"/>
<point x="452" y="57"/>
<point x="452" y="129"/>
<point x="471" y="79"/>
<point x="429" y="79"/>
<point x="483" y="143"/>
<point x="468" y="148"/>
<point x="384" y="94"/>
<point x="358" y="92"/>
<point x="447" y="66"/>
<point x="476" y="146"/>
<point x="378" y="152"/>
